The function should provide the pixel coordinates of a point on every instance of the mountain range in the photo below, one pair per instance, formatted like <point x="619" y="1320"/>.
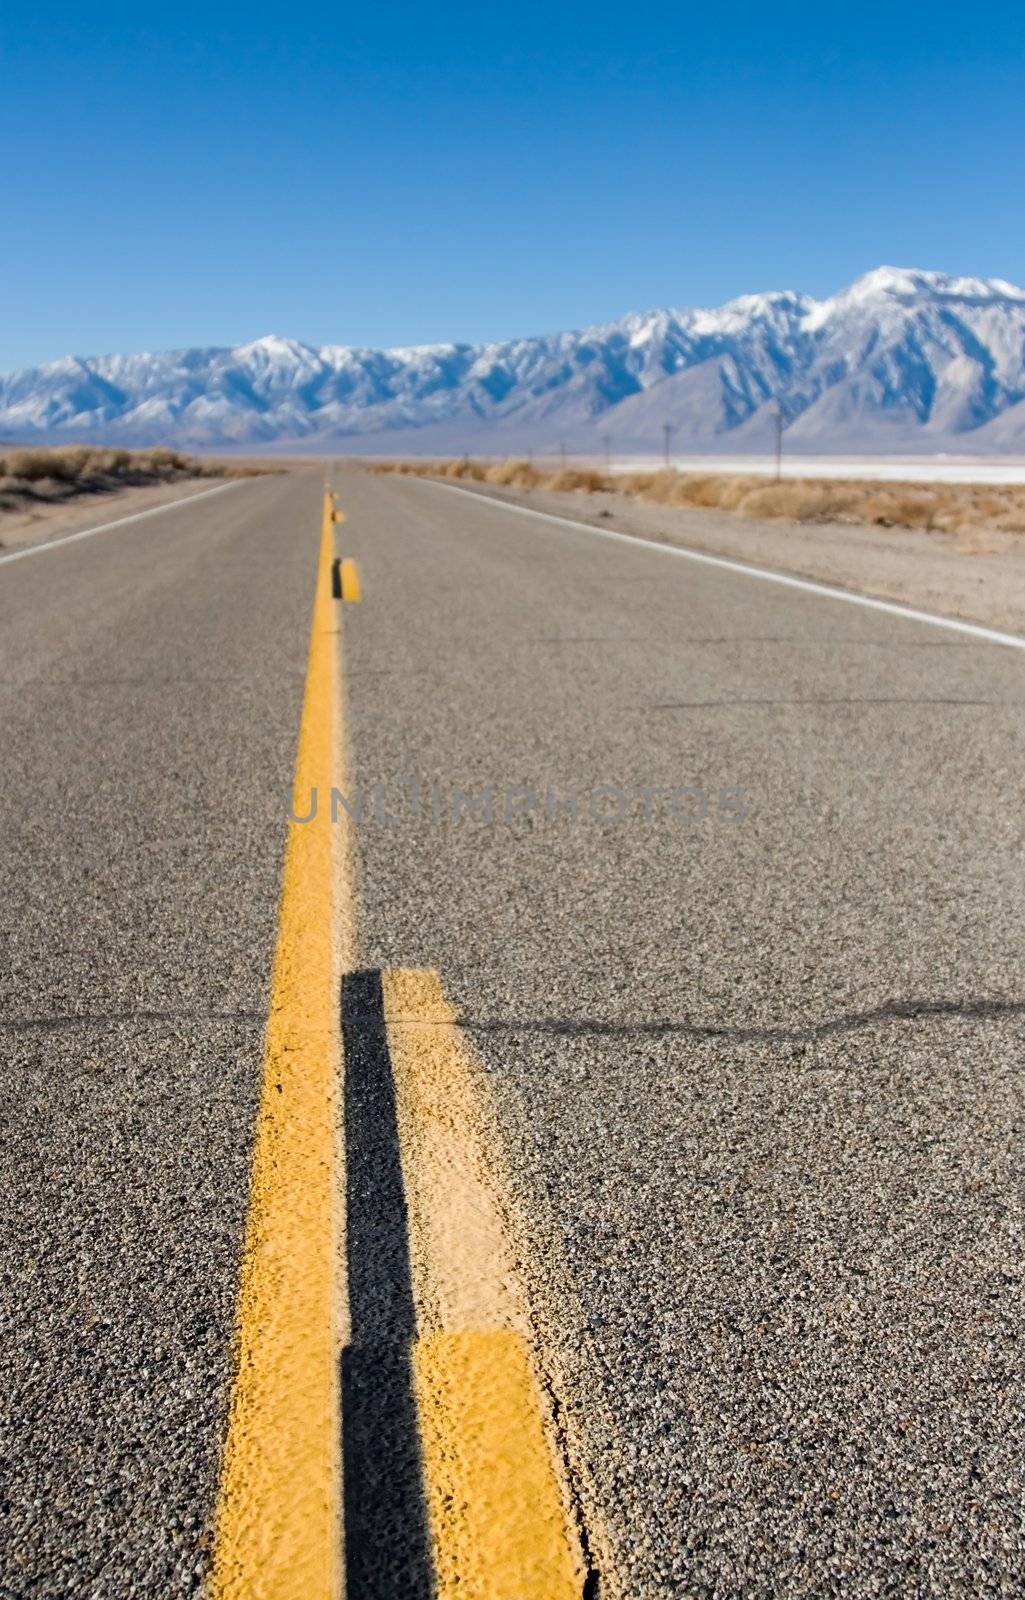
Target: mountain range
<point x="902" y="360"/>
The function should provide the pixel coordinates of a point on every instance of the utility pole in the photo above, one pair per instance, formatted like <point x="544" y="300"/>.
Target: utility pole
<point x="562" y="456"/>
<point x="777" y="412"/>
<point x="606" y="440"/>
<point x="667" y="433"/>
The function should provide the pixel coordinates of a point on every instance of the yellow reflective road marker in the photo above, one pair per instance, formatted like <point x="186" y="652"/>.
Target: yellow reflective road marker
<point x="501" y="1525"/>
<point x="349" y="576"/>
<point x="279" y="1513"/>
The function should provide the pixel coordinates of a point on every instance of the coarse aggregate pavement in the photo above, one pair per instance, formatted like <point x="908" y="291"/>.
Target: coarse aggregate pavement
<point x="755" y="1049"/>
<point x="724" y="881"/>
<point x="152" y="680"/>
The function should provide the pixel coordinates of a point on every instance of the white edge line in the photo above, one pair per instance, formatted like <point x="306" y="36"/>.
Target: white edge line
<point x="119" y="522"/>
<point x="974" y="630"/>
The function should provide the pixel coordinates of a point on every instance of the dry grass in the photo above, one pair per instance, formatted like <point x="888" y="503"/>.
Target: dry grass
<point x="960" y="509"/>
<point x="46" y="476"/>
<point x="515" y="474"/>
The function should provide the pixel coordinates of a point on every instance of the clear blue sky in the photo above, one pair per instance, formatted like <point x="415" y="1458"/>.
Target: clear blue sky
<point x="392" y="173"/>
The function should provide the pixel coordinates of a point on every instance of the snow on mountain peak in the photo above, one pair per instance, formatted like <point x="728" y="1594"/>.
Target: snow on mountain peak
<point x="746" y="309"/>
<point x="900" y="357"/>
<point x="275" y="347"/>
<point x="908" y="282"/>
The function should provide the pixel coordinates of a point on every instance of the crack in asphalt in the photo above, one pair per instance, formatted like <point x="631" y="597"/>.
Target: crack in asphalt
<point x="107" y="1019"/>
<point x="980" y="1010"/>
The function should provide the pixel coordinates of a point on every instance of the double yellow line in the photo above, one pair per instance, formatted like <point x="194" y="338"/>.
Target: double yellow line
<point x="500" y="1522"/>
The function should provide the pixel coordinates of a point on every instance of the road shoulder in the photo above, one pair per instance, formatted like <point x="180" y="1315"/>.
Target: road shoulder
<point x="23" y="529"/>
<point x="981" y="579"/>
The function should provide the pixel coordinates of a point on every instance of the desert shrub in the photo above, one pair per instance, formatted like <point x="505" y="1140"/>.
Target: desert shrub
<point x="571" y="478"/>
<point x="803" y="502"/>
<point x="658" y="487"/>
<point x="696" y="489"/>
<point x="731" y="491"/>
<point x="795" y="500"/>
<point x="986" y="506"/>
<point x="108" y="463"/>
<point x="878" y="508"/>
<point x="520" y="474"/>
<point x="67" y="466"/>
<point x="98" y="466"/>
<point x="162" y="460"/>
<point x="914" y="510"/>
<point x="31" y="466"/>
<point x="634" y="482"/>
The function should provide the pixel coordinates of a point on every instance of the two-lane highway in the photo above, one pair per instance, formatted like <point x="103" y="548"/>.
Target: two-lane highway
<point x="718" y="1177"/>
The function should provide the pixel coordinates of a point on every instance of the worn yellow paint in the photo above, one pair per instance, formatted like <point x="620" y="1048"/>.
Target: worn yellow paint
<point x="349" y="574"/>
<point x="462" y="1263"/>
<point x="279" y="1515"/>
<point x="499" y="1523"/>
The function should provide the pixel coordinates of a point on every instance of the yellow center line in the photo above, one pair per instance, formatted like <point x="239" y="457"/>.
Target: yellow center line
<point x="501" y="1522"/>
<point x="279" y="1514"/>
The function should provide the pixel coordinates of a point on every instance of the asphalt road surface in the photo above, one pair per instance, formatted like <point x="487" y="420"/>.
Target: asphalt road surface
<point x="724" y="880"/>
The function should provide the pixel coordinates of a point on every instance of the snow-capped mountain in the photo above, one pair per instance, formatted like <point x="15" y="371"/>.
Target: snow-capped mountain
<point x="902" y="359"/>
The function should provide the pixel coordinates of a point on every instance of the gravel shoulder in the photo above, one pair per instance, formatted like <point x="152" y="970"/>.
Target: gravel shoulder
<point x="980" y="577"/>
